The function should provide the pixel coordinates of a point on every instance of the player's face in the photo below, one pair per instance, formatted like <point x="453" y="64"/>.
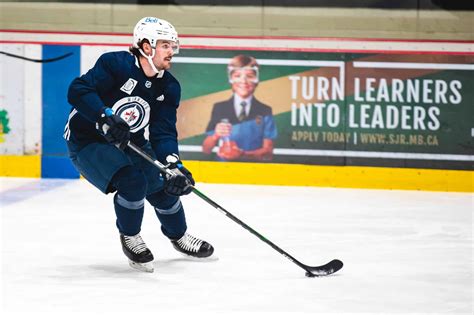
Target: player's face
<point x="244" y="82"/>
<point x="163" y="55"/>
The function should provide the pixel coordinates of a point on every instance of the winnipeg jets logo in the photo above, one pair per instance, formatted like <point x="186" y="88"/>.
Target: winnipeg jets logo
<point x="129" y="86"/>
<point x="130" y="115"/>
<point x="134" y="110"/>
<point x="148" y="84"/>
<point x="160" y="98"/>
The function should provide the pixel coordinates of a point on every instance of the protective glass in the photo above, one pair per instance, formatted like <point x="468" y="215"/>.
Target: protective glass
<point x="243" y="74"/>
<point x="167" y="45"/>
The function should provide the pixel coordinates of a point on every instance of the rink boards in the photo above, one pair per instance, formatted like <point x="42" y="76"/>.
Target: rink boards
<point x="428" y="148"/>
<point x="294" y="175"/>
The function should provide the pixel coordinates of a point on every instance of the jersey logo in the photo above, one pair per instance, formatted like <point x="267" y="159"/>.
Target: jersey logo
<point x="148" y="84"/>
<point x="134" y="110"/>
<point x="160" y="98"/>
<point x="129" y="86"/>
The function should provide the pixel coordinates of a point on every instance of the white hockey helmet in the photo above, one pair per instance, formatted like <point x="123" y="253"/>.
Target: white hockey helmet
<point x="154" y="29"/>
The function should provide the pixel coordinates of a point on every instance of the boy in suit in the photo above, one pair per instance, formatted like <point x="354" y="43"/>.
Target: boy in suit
<point x="242" y="126"/>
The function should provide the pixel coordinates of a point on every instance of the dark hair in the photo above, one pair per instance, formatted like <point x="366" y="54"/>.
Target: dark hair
<point x="133" y="50"/>
<point x="240" y="61"/>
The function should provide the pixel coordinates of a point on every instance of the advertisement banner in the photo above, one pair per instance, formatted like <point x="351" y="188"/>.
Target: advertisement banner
<point x="327" y="108"/>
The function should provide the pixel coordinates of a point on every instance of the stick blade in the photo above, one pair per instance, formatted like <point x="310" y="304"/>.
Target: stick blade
<point x="325" y="270"/>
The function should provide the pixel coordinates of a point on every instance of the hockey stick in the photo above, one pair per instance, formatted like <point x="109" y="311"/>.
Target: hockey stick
<point x="316" y="271"/>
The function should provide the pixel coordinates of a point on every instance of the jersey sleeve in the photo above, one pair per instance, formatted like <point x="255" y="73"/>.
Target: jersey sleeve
<point x="163" y="133"/>
<point x="84" y="91"/>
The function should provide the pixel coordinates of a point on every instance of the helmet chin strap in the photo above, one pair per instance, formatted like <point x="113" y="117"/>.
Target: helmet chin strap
<point x="150" y="61"/>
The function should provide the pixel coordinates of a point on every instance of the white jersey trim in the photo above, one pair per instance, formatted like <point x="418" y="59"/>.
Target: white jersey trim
<point x="67" y="130"/>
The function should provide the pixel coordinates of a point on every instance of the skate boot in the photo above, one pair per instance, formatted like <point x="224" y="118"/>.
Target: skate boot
<point x="139" y="256"/>
<point x="192" y="246"/>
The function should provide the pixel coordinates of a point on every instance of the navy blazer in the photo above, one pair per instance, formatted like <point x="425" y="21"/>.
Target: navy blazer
<point x="225" y="110"/>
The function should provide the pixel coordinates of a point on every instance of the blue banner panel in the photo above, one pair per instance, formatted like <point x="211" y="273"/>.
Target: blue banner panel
<point x="57" y="76"/>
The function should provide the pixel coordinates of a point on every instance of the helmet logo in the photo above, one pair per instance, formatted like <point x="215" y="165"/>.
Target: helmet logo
<point x="151" y="20"/>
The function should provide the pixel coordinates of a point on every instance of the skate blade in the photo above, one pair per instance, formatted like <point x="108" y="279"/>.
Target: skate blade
<point x="145" y="267"/>
<point x="213" y="257"/>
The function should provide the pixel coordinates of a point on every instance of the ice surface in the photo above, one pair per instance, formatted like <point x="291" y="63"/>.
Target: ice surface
<point x="404" y="252"/>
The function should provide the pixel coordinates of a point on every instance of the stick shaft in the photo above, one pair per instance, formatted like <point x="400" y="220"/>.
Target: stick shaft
<point x="248" y="228"/>
<point x="221" y="209"/>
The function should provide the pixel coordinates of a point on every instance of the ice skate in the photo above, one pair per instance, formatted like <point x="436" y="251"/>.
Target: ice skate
<point x="193" y="246"/>
<point x="139" y="256"/>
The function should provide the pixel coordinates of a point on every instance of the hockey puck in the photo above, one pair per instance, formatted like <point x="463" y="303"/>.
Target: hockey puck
<point x="309" y="274"/>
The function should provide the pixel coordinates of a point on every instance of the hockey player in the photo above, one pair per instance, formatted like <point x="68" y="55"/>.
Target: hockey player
<point x="112" y="104"/>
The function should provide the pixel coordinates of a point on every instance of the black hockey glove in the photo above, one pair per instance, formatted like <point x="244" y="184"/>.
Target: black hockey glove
<point x="114" y="129"/>
<point x="181" y="182"/>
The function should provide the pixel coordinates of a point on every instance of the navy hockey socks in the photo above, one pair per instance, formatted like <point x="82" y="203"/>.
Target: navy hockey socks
<point x="129" y="199"/>
<point x="129" y="215"/>
<point x="170" y="212"/>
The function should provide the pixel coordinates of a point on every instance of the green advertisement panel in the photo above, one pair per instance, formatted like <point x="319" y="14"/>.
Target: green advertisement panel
<point x="327" y="108"/>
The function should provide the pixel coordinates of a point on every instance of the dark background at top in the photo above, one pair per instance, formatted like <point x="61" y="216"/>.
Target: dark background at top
<point x="465" y="5"/>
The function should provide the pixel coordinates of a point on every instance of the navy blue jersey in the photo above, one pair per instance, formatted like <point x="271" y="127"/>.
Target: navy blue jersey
<point x="118" y="82"/>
